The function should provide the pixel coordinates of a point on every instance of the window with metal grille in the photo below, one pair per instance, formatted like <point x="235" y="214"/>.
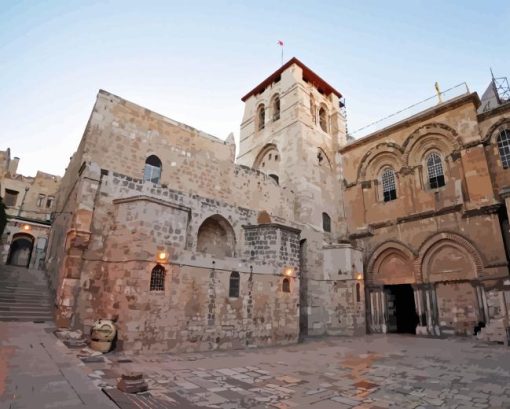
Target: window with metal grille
<point x="388" y="185"/>
<point x="326" y="222"/>
<point x="233" y="289"/>
<point x="286" y="285"/>
<point x="158" y="278"/>
<point x="504" y="148"/>
<point x="152" y="169"/>
<point x="435" y="171"/>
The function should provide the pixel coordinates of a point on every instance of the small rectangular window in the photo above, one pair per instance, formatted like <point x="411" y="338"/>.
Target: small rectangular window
<point x="49" y="202"/>
<point x="10" y="197"/>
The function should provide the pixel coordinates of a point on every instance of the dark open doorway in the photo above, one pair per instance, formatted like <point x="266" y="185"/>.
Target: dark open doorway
<point x="402" y="317"/>
<point x="20" y="250"/>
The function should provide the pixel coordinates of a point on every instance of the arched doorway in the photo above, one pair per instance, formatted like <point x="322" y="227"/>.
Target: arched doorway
<point x="20" y="250"/>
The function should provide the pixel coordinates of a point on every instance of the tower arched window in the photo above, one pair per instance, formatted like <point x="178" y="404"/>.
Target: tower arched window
<point x="158" y="278"/>
<point x="389" y="187"/>
<point x="435" y="170"/>
<point x="152" y="169"/>
<point x="326" y="222"/>
<point x="233" y="288"/>
<point x="286" y="285"/>
<point x="323" y="119"/>
<point x="261" y="117"/>
<point x="504" y="148"/>
<point x="313" y="109"/>
<point x="276" y="108"/>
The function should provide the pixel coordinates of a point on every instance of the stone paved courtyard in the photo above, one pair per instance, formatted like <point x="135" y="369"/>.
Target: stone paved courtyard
<point x="368" y="372"/>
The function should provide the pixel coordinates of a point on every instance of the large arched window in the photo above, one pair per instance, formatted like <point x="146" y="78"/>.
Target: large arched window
<point x="323" y="119"/>
<point x="504" y="148"/>
<point x="389" y="187"/>
<point x="158" y="278"/>
<point x="261" y="117"/>
<point x="435" y="170"/>
<point x="233" y="288"/>
<point x="216" y="237"/>
<point x="152" y="169"/>
<point x="276" y="108"/>
<point x="326" y="222"/>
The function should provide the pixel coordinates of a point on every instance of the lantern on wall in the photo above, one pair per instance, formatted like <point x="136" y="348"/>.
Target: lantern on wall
<point x="288" y="271"/>
<point x="26" y="227"/>
<point x="161" y="256"/>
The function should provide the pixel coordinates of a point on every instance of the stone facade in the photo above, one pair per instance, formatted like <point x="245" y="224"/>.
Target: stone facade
<point x="447" y="243"/>
<point x="160" y="227"/>
<point x="30" y="202"/>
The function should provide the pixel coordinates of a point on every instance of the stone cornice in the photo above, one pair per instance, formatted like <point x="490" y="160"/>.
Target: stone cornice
<point x="139" y="198"/>
<point x="273" y="225"/>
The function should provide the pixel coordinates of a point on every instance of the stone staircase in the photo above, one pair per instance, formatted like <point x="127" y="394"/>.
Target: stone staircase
<point x="24" y="295"/>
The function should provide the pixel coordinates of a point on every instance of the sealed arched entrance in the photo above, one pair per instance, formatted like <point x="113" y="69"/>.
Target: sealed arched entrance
<point x="21" y="250"/>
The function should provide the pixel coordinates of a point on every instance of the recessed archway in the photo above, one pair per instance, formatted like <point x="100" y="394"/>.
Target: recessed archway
<point x="20" y="250"/>
<point x="216" y="237"/>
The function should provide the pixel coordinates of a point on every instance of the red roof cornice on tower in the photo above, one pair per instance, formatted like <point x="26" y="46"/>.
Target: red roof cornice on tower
<point x="308" y="75"/>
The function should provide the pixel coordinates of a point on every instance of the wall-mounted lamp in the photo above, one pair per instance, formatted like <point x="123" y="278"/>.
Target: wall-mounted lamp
<point x="359" y="276"/>
<point x="161" y="256"/>
<point x="288" y="271"/>
<point x="26" y="227"/>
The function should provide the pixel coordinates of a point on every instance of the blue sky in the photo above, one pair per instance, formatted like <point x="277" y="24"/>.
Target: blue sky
<point x="193" y="60"/>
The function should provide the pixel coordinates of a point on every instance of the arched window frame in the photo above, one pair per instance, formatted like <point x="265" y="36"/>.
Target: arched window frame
<point x="503" y="142"/>
<point x="326" y="222"/>
<point x="157" y="282"/>
<point x="152" y="169"/>
<point x="388" y="183"/>
<point x="435" y="170"/>
<point x="323" y="118"/>
<point x="313" y="110"/>
<point x="234" y="285"/>
<point x="276" y="107"/>
<point x="261" y="117"/>
<point x="285" y="285"/>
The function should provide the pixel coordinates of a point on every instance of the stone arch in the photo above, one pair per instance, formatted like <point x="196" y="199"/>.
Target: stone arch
<point x="495" y="129"/>
<point x="391" y="263"/>
<point x="448" y="256"/>
<point x="323" y="157"/>
<point x="438" y="135"/>
<point x="216" y="237"/>
<point x="386" y="153"/>
<point x="20" y="250"/>
<point x="268" y="160"/>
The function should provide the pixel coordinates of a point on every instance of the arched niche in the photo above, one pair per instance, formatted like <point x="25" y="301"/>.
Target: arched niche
<point x="391" y="263"/>
<point x="216" y="237"/>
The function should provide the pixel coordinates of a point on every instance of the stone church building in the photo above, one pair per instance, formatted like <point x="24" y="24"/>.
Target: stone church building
<point x="307" y="232"/>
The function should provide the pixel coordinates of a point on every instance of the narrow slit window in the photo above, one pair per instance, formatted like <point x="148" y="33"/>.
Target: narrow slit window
<point x="261" y="117"/>
<point x="286" y="285"/>
<point x="276" y="108"/>
<point x="326" y="222"/>
<point x="233" y="289"/>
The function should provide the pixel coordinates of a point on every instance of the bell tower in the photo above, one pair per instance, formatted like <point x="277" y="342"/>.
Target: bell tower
<point x="292" y="129"/>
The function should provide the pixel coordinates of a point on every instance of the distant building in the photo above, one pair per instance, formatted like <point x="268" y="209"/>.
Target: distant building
<point x="29" y="203"/>
<point x="308" y="232"/>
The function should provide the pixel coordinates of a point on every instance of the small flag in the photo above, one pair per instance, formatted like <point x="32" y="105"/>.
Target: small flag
<point x="280" y="42"/>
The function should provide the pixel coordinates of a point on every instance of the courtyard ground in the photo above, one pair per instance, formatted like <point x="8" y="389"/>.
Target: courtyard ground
<point x="376" y="371"/>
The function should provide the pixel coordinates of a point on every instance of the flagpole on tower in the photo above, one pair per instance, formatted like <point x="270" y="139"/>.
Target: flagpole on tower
<point x="280" y="43"/>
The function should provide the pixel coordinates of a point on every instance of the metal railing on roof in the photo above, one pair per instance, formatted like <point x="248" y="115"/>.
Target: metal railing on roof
<point x="439" y="98"/>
